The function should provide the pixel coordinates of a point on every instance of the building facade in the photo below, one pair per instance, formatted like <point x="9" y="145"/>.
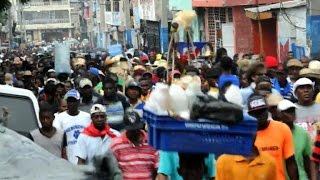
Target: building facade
<point x="229" y="24"/>
<point x="45" y="20"/>
<point x="313" y="28"/>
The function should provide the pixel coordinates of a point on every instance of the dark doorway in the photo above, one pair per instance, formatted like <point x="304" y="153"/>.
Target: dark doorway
<point x="270" y="40"/>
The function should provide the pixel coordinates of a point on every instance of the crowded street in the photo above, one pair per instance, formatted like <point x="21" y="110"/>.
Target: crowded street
<point x="159" y="90"/>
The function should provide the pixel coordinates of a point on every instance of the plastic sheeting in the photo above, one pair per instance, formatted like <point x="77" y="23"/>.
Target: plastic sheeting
<point x="22" y="159"/>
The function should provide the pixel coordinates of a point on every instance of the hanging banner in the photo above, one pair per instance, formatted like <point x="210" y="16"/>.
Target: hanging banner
<point x="62" y="58"/>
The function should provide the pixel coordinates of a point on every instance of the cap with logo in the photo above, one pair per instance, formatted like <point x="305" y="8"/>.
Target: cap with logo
<point x="132" y="120"/>
<point x="256" y="102"/>
<point x="97" y="108"/>
<point x="85" y="82"/>
<point x="285" y="105"/>
<point x="72" y="93"/>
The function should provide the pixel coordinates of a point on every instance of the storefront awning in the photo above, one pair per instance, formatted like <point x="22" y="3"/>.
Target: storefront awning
<point x="285" y="5"/>
<point x="265" y="11"/>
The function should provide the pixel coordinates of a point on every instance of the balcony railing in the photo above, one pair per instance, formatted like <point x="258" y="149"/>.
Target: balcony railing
<point x="47" y="3"/>
<point x="46" y="21"/>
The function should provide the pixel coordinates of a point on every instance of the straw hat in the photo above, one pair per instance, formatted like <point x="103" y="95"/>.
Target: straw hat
<point x="273" y="99"/>
<point x="314" y="65"/>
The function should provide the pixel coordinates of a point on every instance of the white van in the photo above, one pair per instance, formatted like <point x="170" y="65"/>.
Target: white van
<point x="23" y="109"/>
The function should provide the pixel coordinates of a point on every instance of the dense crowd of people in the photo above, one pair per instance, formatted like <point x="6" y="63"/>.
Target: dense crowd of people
<point x="94" y="113"/>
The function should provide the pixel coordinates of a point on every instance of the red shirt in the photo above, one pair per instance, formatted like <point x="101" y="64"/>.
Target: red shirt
<point x="316" y="150"/>
<point x="135" y="162"/>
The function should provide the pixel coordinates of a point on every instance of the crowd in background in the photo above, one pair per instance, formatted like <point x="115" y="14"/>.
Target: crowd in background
<point x="96" y="111"/>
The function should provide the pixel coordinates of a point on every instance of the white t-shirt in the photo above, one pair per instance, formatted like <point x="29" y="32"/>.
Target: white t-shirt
<point x="88" y="147"/>
<point x="307" y="116"/>
<point x="72" y="126"/>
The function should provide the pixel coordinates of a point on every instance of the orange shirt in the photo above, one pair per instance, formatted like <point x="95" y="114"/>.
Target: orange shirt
<point x="145" y="98"/>
<point x="231" y="167"/>
<point x="277" y="141"/>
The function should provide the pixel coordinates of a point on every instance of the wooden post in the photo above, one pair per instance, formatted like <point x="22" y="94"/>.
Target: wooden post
<point x="168" y="56"/>
<point x="192" y="45"/>
<point x="260" y="28"/>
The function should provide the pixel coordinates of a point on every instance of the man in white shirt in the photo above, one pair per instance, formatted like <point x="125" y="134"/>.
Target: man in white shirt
<point x="307" y="111"/>
<point x="93" y="143"/>
<point x="72" y="122"/>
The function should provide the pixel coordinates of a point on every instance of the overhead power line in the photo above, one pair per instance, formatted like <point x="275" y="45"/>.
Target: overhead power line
<point x="287" y="18"/>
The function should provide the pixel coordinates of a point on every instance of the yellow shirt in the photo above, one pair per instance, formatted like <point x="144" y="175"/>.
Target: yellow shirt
<point x="318" y="98"/>
<point x="145" y="98"/>
<point x="236" y="167"/>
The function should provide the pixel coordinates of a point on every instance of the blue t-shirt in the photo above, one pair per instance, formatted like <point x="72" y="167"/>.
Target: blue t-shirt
<point x="169" y="164"/>
<point x="228" y="77"/>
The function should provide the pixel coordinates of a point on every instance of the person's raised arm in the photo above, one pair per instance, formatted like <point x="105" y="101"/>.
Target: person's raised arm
<point x="64" y="147"/>
<point x="292" y="168"/>
<point x="307" y="165"/>
<point x="288" y="154"/>
<point x="314" y="168"/>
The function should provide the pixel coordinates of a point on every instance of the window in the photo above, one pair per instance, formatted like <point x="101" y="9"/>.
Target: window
<point x="23" y="117"/>
<point x="116" y="5"/>
<point x="230" y="15"/>
<point x="108" y="5"/>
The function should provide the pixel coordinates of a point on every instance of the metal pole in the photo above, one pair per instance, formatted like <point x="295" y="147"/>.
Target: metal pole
<point x="126" y="7"/>
<point x="260" y="28"/>
<point x="103" y="21"/>
<point x="164" y="24"/>
<point x="21" y="27"/>
<point x="91" y="23"/>
<point x="24" y="26"/>
<point x="10" y="28"/>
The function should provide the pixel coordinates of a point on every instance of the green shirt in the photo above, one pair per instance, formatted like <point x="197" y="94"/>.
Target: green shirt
<point x="302" y="147"/>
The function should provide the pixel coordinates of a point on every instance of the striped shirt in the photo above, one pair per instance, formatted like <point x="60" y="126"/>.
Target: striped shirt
<point x="135" y="162"/>
<point x="316" y="150"/>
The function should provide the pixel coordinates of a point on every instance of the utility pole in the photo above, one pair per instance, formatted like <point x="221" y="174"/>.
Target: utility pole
<point x="164" y="25"/>
<point x="91" y="23"/>
<point x="10" y="28"/>
<point x="103" y="22"/>
<point x="126" y="8"/>
<point x="21" y="26"/>
<point x="260" y="28"/>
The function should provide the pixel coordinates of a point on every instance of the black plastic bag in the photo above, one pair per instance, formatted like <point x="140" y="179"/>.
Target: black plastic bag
<point x="208" y="107"/>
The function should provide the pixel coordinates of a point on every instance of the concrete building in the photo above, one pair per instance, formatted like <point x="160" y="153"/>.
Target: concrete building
<point x="115" y="21"/>
<point x="45" y="20"/>
<point x="283" y="28"/>
<point x="313" y="28"/>
<point x="179" y="5"/>
<point x="235" y="26"/>
<point x="76" y="12"/>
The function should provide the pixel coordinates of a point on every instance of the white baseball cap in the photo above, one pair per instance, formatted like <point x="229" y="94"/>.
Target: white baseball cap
<point x="285" y="105"/>
<point x="301" y="82"/>
<point x="97" y="108"/>
<point x="85" y="82"/>
<point x="51" y="79"/>
<point x="51" y="71"/>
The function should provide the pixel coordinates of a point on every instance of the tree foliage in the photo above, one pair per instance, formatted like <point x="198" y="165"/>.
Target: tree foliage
<point x="5" y="4"/>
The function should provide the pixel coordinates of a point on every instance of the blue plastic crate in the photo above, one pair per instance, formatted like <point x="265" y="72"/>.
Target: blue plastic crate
<point x="167" y="133"/>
